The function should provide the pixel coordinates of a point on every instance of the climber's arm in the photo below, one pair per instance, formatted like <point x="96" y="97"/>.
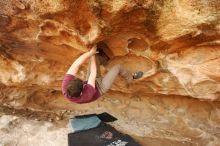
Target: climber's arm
<point x="93" y="72"/>
<point x="79" y="61"/>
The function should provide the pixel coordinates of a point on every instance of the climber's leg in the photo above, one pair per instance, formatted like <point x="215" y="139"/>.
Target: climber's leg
<point x="109" y="78"/>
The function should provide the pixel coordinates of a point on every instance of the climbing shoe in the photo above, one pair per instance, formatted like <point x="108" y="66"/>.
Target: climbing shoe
<point x="138" y="75"/>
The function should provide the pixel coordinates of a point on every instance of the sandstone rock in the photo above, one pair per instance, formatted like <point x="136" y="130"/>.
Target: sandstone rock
<point x="20" y="5"/>
<point x="158" y="32"/>
<point x="58" y="118"/>
<point x="5" y="20"/>
<point x="176" y="43"/>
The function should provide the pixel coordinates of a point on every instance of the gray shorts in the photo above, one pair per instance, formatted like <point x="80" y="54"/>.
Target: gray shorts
<point x="104" y="83"/>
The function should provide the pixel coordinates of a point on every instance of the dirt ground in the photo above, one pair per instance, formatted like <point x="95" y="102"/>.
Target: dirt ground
<point x="25" y="127"/>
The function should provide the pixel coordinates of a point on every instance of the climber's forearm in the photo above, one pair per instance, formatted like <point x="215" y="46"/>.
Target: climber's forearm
<point x="93" y="71"/>
<point x="79" y="61"/>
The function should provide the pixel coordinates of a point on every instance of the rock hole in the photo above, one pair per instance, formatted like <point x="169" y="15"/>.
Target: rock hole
<point x="137" y="44"/>
<point x="49" y="28"/>
<point x="103" y="46"/>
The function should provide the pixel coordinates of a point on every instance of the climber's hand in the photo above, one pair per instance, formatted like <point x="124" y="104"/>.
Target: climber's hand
<point x="93" y="50"/>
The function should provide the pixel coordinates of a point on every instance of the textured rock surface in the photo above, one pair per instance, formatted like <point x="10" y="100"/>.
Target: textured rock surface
<point x="175" y="42"/>
<point x="33" y="132"/>
<point x="152" y="121"/>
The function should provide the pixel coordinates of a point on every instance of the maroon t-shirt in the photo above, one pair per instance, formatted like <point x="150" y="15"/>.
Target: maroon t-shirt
<point x="89" y="93"/>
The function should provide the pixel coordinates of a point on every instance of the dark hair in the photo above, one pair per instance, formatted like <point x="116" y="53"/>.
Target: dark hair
<point x="75" y="87"/>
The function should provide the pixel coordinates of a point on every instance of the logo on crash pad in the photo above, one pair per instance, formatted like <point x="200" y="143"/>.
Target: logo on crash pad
<point x="107" y="135"/>
<point x="118" y="143"/>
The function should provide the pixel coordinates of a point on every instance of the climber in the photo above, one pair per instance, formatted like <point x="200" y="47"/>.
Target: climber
<point x="80" y="91"/>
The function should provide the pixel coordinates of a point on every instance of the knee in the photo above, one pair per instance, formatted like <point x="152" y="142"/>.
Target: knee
<point x="118" y="66"/>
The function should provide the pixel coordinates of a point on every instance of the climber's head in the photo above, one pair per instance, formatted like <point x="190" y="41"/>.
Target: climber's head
<point x="75" y="87"/>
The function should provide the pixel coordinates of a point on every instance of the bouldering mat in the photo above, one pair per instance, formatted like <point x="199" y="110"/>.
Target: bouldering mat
<point x="103" y="135"/>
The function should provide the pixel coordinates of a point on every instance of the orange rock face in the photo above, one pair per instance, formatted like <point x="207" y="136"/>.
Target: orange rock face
<point x="175" y="42"/>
